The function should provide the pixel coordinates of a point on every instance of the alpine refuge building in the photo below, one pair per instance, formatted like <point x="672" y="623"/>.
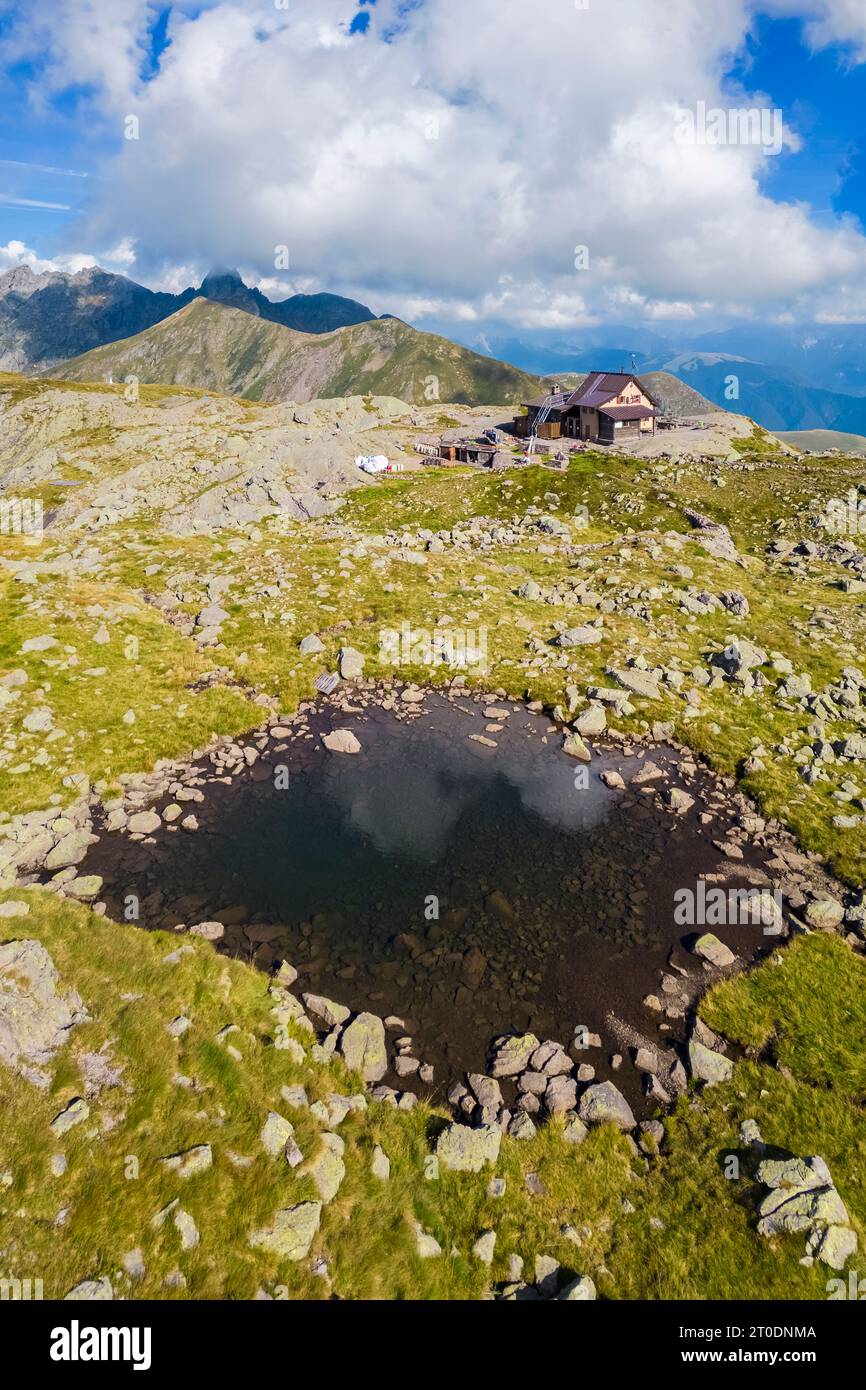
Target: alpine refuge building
<point x="605" y="407"/>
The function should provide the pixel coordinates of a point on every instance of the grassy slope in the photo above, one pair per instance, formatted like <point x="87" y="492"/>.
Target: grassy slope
<point x="706" y="1246"/>
<point x="807" y="1012"/>
<point x="217" y="348"/>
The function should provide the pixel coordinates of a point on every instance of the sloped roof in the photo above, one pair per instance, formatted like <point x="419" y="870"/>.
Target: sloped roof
<point x="599" y="387"/>
<point x="627" y="412"/>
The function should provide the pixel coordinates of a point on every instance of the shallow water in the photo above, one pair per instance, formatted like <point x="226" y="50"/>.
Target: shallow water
<point x="470" y="890"/>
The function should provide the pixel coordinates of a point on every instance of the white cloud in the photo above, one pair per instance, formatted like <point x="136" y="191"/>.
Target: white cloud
<point x="828" y="22"/>
<point x="460" y="165"/>
<point x="17" y="253"/>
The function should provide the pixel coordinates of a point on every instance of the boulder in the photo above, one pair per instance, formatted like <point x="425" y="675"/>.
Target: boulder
<point x="209" y="931"/>
<point x="351" y="664"/>
<point x="293" y="1231"/>
<point x="637" y="682"/>
<point x="275" y="1134"/>
<point x="212" y="616"/>
<point x="466" y="1150"/>
<point x="362" y="1045"/>
<point x="706" y="1065"/>
<point x="824" y="914"/>
<point x="836" y="1245"/>
<point x="325" y="1010"/>
<point x="70" y="850"/>
<point x="35" y="1020"/>
<point x="511" y="1056"/>
<point x="591" y="722"/>
<point x="583" y="636"/>
<point x="575" y="747"/>
<point x="580" y="1290"/>
<point x="341" y="741"/>
<point x="605" y="1104"/>
<point x="561" y="1095"/>
<point x="711" y="949"/>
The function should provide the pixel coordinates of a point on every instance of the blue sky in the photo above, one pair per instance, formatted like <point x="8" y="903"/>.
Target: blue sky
<point x="824" y="96"/>
<point x="308" y="122"/>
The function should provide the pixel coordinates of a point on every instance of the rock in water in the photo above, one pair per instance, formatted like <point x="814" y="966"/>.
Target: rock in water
<point x="711" y="949"/>
<point x="341" y="741"/>
<point x="575" y="747"/>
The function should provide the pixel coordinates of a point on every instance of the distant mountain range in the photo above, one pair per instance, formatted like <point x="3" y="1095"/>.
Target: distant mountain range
<point x="51" y="316"/>
<point x="816" y="380"/>
<point x="787" y="378"/>
<point x="218" y="347"/>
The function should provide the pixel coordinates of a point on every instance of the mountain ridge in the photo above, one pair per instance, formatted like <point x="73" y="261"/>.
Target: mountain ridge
<point x="222" y="348"/>
<point x="50" y="316"/>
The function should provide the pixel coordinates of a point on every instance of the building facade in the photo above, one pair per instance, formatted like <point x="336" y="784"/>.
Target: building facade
<point x="605" y="408"/>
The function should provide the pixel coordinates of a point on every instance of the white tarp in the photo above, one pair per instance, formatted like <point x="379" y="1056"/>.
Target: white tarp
<point x="372" y="463"/>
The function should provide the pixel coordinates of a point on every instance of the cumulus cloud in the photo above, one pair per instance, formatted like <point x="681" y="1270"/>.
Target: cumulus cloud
<point x="828" y="22"/>
<point x="472" y="162"/>
<point x="18" y="253"/>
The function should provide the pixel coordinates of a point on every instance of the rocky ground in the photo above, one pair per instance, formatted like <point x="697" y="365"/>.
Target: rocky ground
<point x="184" y="1125"/>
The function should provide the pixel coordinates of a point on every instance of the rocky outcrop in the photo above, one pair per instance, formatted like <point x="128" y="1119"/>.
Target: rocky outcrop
<point x="35" y="1017"/>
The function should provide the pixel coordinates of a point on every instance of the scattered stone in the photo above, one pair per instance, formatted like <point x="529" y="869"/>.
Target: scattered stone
<point x="275" y="1134"/>
<point x="711" y="949"/>
<point x="351" y="664"/>
<point x="293" y="1231"/>
<point x="189" y="1162"/>
<point x="484" y="1247"/>
<point x="325" y="1010"/>
<point x="362" y="1045"/>
<point x="580" y="1290"/>
<point x="341" y="741"/>
<point x="328" y="1169"/>
<point x="604" y="1103"/>
<point x="14" y="908"/>
<point x="824" y="914"/>
<point x="706" y="1065"/>
<point x="35" y="1020"/>
<point x="468" y="1150"/>
<point x="574" y="1131"/>
<point x="73" y="1114"/>
<point x="380" y="1166"/>
<point x="91" y="1291"/>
